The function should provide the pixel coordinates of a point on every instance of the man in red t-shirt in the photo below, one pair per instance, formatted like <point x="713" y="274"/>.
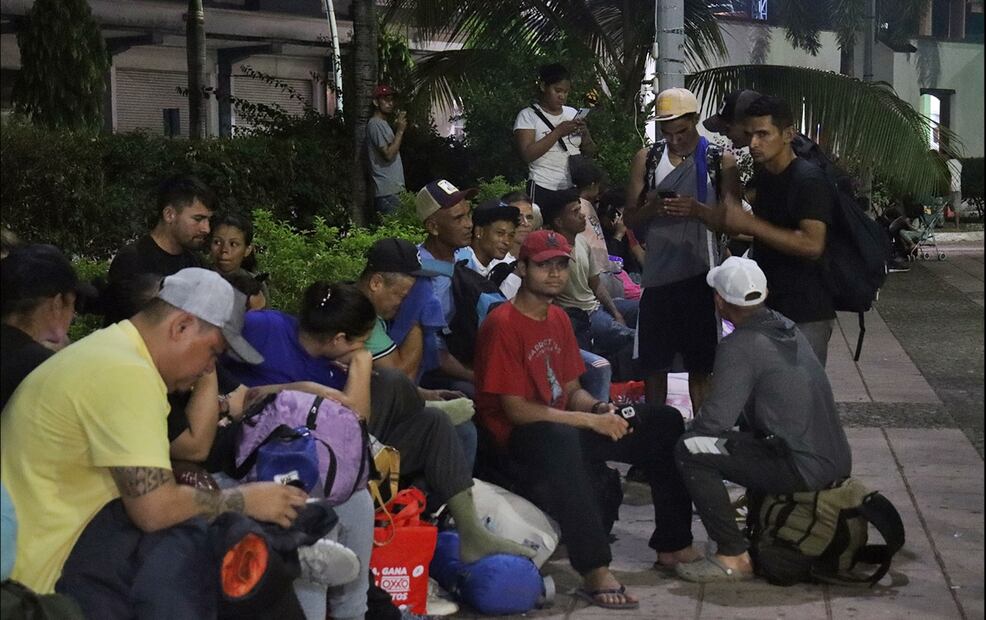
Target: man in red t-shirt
<point x="530" y="401"/>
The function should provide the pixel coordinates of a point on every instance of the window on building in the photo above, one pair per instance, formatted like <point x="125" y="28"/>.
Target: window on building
<point x="936" y="104"/>
<point x="740" y="9"/>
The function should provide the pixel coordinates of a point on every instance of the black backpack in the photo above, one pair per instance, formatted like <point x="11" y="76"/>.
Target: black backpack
<point x="857" y="249"/>
<point x="473" y="297"/>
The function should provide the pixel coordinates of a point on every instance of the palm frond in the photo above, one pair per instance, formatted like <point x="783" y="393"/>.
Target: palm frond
<point x="704" y="45"/>
<point x="865" y="125"/>
<point x="439" y="76"/>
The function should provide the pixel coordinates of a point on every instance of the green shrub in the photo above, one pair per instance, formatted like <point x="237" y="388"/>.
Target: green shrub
<point x="89" y="195"/>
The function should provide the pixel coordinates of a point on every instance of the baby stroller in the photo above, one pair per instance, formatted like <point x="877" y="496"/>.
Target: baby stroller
<point x="922" y="234"/>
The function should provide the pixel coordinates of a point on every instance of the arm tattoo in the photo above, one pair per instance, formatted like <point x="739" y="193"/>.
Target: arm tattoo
<point x="212" y="504"/>
<point x="139" y="481"/>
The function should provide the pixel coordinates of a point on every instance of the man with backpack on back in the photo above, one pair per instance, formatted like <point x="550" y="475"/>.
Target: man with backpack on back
<point x="678" y="329"/>
<point x="795" y="442"/>
<point x="792" y="215"/>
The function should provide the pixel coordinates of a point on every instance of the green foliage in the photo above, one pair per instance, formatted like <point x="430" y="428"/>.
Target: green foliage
<point x="91" y="194"/>
<point x="295" y="258"/>
<point x="496" y="187"/>
<point x="492" y="100"/>
<point x="63" y="62"/>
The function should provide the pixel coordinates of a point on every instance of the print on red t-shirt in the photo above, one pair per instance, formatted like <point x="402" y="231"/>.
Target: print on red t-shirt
<point x="519" y="356"/>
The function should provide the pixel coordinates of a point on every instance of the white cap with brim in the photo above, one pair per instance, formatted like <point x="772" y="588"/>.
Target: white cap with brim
<point x="208" y="296"/>
<point x="739" y="281"/>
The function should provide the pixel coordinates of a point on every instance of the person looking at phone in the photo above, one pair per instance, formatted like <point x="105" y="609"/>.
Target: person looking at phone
<point x="678" y="327"/>
<point x="384" y="146"/>
<point x="539" y="417"/>
<point x="548" y="133"/>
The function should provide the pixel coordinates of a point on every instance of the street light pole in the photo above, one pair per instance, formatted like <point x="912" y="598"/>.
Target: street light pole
<point x="330" y="12"/>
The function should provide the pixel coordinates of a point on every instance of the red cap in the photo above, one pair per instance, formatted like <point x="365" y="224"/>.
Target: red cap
<point x="543" y="245"/>
<point x="383" y="90"/>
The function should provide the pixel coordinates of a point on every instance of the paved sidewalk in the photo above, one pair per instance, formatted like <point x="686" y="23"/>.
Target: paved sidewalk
<point x="913" y="405"/>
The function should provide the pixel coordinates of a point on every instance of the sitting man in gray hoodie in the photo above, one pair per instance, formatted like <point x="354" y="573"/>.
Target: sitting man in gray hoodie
<point x="766" y="372"/>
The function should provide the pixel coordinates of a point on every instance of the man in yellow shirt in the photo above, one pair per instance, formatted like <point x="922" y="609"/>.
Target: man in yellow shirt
<point x="89" y="425"/>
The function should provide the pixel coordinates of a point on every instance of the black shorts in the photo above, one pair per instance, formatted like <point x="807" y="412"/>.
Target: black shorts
<point x="677" y="328"/>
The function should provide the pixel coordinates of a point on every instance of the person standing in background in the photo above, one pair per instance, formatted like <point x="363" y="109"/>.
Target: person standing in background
<point x="384" y="146"/>
<point x="548" y="133"/>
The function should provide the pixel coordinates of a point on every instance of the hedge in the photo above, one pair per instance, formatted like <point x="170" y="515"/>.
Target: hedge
<point x="90" y="193"/>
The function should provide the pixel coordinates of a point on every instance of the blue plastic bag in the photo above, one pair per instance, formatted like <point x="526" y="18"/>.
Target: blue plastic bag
<point x="496" y="584"/>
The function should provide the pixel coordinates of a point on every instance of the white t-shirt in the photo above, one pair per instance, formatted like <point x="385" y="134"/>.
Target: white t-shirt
<point x="550" y="171"/>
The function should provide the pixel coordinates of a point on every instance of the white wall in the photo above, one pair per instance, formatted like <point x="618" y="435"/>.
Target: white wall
<point x="947" y="65"/>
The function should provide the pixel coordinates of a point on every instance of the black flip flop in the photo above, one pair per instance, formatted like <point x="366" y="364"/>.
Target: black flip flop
<point x="590" y="597"/>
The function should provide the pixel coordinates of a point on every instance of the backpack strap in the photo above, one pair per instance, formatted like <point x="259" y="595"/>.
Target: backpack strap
<point x="281" y="431"/>
<point x="859" y="339"/>
<point x="883" y="515"/>
<point x="312" y="421"/>
<point x="544" y="119"/>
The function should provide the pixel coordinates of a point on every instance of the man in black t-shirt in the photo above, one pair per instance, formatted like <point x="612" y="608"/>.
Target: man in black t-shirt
<point x="184" y="206"/>
<point x="792" y="213"/>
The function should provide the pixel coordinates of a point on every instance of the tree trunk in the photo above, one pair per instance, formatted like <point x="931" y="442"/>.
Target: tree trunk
<point x="195" y="46"/>
<point x="671" y="44"/>
<point x="364" y="47"/>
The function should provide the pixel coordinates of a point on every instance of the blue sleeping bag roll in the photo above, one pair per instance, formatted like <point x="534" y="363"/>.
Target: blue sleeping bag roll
<point x="495" y="585"/>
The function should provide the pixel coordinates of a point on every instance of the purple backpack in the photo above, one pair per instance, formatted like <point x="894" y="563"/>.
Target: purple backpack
<point x="342" y="441"/>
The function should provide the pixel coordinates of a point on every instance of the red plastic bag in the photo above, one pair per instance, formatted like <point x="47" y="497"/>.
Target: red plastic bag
<point x="403" y="546"/>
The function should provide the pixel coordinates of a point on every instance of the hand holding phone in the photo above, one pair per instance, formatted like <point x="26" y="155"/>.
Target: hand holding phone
<point x="582" y="113"/>
<point x="667" y="194"/>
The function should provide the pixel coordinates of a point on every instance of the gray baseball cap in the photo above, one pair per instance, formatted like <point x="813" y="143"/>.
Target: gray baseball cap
<point x="208" y="296"/>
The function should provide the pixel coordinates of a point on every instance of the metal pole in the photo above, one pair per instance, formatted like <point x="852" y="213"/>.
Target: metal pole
<point x="330" y="11"/>
<point x="870" y="36"/>
<point x="671" y="44"/>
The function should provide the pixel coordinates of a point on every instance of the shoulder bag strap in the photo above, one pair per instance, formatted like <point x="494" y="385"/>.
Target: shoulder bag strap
<point x="544" y="119"/>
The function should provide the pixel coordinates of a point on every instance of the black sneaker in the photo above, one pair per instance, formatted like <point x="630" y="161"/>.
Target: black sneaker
<point x="898" y="267"/>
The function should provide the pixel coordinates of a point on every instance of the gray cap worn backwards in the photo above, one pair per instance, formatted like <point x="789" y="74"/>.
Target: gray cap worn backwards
<point x="208" y="296"/>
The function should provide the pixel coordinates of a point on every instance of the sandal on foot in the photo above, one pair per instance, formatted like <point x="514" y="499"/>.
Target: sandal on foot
<point x="595" y="597"/>
<point x="710" y="570"/>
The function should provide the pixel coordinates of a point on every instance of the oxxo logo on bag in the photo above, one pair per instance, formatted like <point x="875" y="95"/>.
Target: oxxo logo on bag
<point x="396" y="581"/>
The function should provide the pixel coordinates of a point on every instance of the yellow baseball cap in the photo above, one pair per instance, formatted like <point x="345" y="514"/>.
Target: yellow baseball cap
<point x="673" y="103"/>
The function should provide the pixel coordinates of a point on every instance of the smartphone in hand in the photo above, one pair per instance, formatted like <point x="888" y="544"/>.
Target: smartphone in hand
<point x="582" y="113"/>
<point x="667" y="194"/>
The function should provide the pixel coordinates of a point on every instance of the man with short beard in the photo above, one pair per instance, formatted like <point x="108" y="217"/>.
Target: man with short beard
<point x="184" y="206"/>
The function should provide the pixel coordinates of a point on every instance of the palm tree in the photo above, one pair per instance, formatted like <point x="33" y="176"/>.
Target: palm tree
<point x="364" y="78"/>
<point x="618" y="33"/>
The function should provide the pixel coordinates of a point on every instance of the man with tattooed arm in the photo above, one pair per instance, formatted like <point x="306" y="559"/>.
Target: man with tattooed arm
<point x="89" y="425"/>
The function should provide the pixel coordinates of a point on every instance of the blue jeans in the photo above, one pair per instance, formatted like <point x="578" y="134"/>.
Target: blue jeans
<point x="597" y="376"/>
<point x="608" y="336"/>
<point x="385" y="205"/>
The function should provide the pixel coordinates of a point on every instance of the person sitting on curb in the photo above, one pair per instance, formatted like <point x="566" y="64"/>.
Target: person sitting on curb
<point x="40" y="294"/>
<point x="540" y="418"/>
<point x="599" y="323"/>
<point x="326" y="344"/>
<point x="88" y="426"/>
<point x="493" y="228"/>
<point x="795" y="440"/>
<point x="391" y="268"/>
<point x="233" y="255"/>
<point x="445" y="212"/>
<point x="184" y="208"/>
